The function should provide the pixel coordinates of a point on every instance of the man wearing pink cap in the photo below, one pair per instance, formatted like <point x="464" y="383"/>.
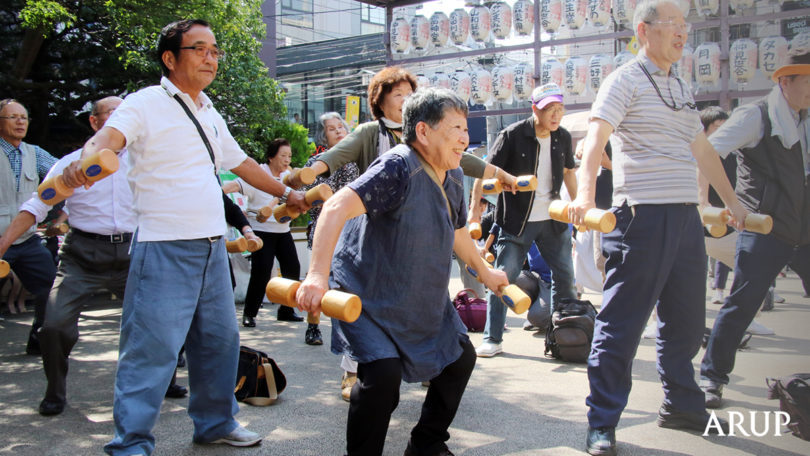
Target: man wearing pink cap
<point x="534" y="146"/>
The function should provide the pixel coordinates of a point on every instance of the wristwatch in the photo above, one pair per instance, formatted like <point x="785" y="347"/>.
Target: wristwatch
<point x="283" y="198"/>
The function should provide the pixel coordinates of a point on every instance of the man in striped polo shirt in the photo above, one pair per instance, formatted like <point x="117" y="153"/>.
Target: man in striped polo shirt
<point x="657" y="253"/>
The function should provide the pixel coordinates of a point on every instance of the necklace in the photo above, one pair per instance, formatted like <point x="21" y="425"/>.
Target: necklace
<point x="673" y="106"/>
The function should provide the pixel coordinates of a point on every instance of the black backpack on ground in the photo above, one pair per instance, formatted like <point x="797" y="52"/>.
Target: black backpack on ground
<point x="570" y="333"/>
<point x="259" y="380"/>
<point x="793" y="393"/>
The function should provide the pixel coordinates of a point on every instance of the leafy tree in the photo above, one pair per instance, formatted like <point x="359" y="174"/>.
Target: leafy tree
<point x="66" y="54"/>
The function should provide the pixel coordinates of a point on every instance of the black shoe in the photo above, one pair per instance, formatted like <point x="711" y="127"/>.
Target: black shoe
<point x="410" y="451"/>
<point x="176" y="391"/>
<point x="248" y="322"/>
<point x="48" y="408"/>
<point x="313" y="335"/>
<point x="713" y="392"/>
<point x="287" y="314"/>
<point x="601" y="441"/>
<point x="691" y="421"/>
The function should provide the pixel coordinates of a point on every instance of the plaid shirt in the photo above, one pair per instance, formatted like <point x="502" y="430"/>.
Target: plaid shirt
<point x="44" y="160"/>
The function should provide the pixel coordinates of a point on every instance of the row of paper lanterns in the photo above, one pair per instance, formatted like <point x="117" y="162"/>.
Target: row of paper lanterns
<point x="498" y="19"/>
<point x="577" y="74"/>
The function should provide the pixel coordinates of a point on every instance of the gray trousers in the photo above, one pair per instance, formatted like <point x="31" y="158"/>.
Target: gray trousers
<point x="86" y="266"/>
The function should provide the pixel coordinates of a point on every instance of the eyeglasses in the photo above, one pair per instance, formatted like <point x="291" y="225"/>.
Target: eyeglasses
<point x="555" y="110"/>
<point x="15" y="118"/>
<point x="203" y="51"/>
<point x="686" y="27"/>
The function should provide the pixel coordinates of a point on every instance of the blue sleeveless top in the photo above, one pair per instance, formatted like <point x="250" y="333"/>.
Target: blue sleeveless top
<point x="397" y="258"/>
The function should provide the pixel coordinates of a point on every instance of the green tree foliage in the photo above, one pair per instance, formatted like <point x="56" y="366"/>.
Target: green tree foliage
<point x="61" y="55"/>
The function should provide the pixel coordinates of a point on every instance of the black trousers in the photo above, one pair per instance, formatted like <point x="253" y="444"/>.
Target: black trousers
<point x="278" y="246"/>
<point x="34" y="265"/>
<point x="375" y="396"/>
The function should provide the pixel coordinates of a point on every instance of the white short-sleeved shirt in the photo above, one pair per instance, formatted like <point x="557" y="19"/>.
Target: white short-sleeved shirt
<point x="176" y="194"/>
<point x="542" y="195"/>
<point x="258" y="199"/>
<point x="655" y="164"/>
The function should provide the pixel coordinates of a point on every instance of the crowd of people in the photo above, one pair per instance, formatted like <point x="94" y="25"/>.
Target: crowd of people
<point x="649" y="157"/>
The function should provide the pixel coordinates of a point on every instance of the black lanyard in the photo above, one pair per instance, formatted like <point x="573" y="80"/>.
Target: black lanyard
<point x="674" y="106"/>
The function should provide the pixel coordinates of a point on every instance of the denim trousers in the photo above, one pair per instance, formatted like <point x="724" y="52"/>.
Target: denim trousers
<point x="758" y="260"/>
<point x="177" y="292"/>
<point x="555" y="248"/>
<point x="656" y="258"/>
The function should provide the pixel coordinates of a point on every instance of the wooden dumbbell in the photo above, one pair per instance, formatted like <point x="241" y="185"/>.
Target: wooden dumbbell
<point x="254" y="244"/>
<point x="314" y="197"/>
<point x="756" y="223"/>
<point x="523" y="184"/>
<point x="56" y="230"/>
<point x="263" y="214"/>
<point x="237" y="245"/>
<point x="511" y="295"/>
<point x="717" y="230"/>
<point x="334" y="304"/>
<point x="95" y="167"/>
<point x="489" y="257"/>
<point x="474" y="273"/>
<point x="595" y="219"/>
<point x="5" y="268"/>
<point x="475" y="230"/>
<point x="299" y="177"/>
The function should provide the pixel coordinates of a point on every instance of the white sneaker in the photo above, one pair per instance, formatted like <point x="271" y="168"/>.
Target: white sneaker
<point x="488" y="350"/>
<point x="758" y="329"/>
<point x="777" y="299"/>
<point x="718" y="297"/>
<point x="240" y="437"/>
<point x="651" y="331"/>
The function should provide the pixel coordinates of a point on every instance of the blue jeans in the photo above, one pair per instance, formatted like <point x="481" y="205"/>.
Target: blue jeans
<point x="758" y="261"/>
<point x="555" y="249"/>
<point x="177" y="291"/>
<point x="656" y="253"/>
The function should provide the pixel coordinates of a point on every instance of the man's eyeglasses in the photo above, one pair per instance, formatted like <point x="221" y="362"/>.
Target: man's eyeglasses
<point x="202" y="51"/>
<point x="15" y="118"/>
<point x="686" y="27"/>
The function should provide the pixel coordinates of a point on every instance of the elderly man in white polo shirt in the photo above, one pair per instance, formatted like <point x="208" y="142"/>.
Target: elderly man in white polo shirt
<point x="178" y="289"/>
<point x="657" y="253"/>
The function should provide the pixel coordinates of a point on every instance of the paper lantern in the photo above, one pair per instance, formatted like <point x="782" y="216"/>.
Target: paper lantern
<point x="480" y="86"/>
<point x="480" y="23"/>
<point x="552" y="71"/>
<point x="422" y="80"/>
<point x="740" y="4"/>
<point x="459" y="26"/>
<point x="503" y="80"/>
<point x="801" y="41"/>
<point x="772" y="54"/>
<point x="501" y="19"/>
<point x="707" y="7"/>
<point x="575" y="12"/>
<point x="707" y="63"/>
<point x="440" y="79"/>
<point x="461" y="84"/>
<point x="551" y="15"/>
<point x="599" y="12"/>
<point x="684" y="67"/>
<point x="599" y="68"/>
<point x="439" y="29"/>
<point x="523" y="15"/>
<point x="623" y="11"/>
<point x="576" y="75"/>
<point x="524" y="81"/>
<point x="400" y="35"/>
<point x="622" y="58"/>
<point x="420" y="32"/>
<point x="742" y="56"/>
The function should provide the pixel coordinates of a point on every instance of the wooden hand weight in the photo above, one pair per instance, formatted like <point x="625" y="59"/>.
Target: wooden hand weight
<point x="756" y="223"/>
<point x="335" y="304"/>
<point x="263" y="214"/>
<point x="254" y="245"/>
<point x="474" y="273"/>
<point x="314" y="197"/>
<point x="5" y="268"/>
<point x="595" y="219"/>
<point x="237" y="245"/>
<point x="475" y="230"/>
<point x="489" y="257"/>
<point x="95" y="167"/>
<point x="299" y="177"/>
<point x="515" y="299"/>
<point x="523" y="184"/>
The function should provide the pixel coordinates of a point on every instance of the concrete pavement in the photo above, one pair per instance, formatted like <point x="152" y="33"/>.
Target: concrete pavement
<point x="519" y="403"/>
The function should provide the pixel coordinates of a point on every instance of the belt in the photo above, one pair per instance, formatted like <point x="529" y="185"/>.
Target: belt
<point x="117" y="238"/>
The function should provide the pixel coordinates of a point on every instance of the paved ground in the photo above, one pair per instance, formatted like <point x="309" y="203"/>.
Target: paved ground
<point x="520" y="403"/>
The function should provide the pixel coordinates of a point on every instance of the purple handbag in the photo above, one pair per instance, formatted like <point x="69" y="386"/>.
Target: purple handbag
<point x="472" y="310"/>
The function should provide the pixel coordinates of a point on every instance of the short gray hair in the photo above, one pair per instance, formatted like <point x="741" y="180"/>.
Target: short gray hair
<point x="428" y="105"/>
<point x="647" y="11"/>
<point x="320" y="133"/>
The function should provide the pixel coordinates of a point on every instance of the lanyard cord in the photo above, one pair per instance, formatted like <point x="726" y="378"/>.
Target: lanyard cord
<point x="674" y="106"/>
